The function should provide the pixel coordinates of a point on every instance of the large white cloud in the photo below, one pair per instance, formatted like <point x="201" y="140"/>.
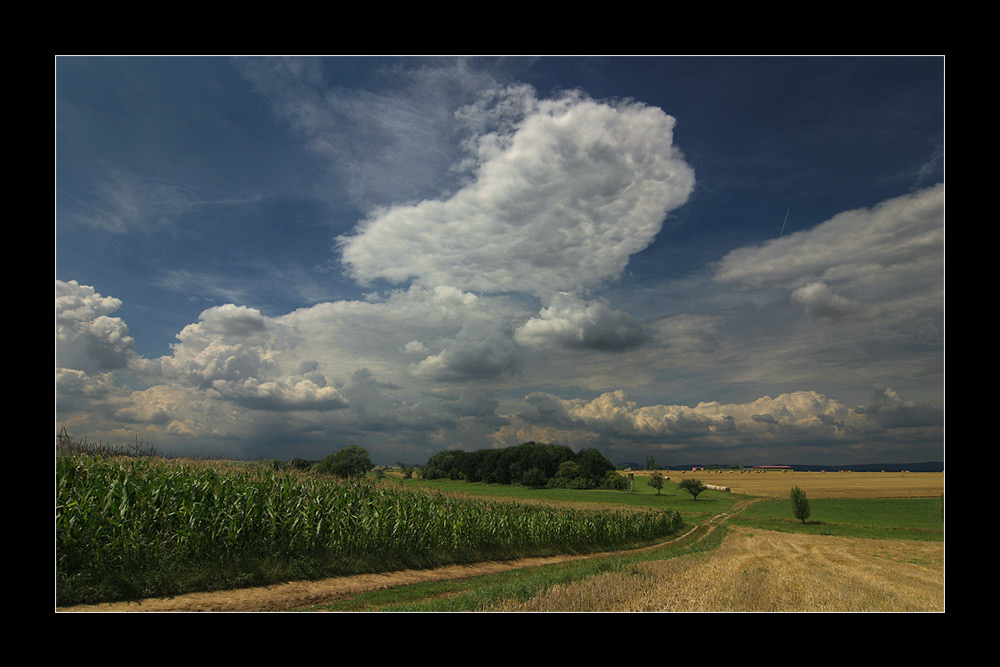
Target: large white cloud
<point x="87" y="337"/>
<point x="561" y="205"/>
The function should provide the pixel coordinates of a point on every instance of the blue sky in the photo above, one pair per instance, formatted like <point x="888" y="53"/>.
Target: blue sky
<point x="701" y="259"/>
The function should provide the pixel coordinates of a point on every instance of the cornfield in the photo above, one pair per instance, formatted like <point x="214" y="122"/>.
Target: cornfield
<point x="143" y="527"/>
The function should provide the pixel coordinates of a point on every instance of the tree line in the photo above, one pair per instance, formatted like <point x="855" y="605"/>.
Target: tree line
<point x="530" y="464"/>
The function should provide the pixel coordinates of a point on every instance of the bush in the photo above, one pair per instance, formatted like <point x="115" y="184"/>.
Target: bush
<point x="615" y="482"/>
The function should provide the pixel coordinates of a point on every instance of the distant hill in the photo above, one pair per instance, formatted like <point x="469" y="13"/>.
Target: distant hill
<point x="926" y="466"/>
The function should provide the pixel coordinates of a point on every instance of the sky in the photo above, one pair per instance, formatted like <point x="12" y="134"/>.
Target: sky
<point x="717" y="260"/>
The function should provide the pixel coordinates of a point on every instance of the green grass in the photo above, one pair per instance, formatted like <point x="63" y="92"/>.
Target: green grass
<point x="709" y="503"/>
<point x="881" y="518"/>
<point x="479" y="593"/>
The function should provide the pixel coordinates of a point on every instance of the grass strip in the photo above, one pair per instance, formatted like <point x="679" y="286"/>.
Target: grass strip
<point x="476" y="594"/>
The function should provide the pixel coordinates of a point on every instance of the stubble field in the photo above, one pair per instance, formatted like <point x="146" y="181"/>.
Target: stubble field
<point x="776" y="484"/>
<point x="766" y="571"/>
<point x="758" y="570"/>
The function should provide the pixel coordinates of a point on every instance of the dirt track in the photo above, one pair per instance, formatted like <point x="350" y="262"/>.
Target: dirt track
<point x="298" y="594"/>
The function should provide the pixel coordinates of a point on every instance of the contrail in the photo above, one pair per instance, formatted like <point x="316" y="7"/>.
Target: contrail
<point x="761" y="300"/>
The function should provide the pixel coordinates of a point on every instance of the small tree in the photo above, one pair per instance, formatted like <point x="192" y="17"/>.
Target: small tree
<point x="656" y="481"/>
<point x="692" y="486"/>
<point x="800" y="504"/>
<point x="350" y="461"/>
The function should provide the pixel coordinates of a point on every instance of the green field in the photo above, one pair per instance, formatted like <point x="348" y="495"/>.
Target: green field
<point x="887" y="518"/>
<point x="709" y="503"/>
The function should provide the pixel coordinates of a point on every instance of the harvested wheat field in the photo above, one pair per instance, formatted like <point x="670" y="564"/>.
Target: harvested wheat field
<point x="766" y="571"/>
<point x="775" y="484"/>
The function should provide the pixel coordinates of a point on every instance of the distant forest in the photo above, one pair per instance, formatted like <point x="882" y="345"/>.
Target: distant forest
<point x="530" y="464"/>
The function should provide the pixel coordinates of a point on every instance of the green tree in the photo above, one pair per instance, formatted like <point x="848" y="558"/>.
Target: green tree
<point x="656" y="481"/>
<point x="349" y="462"/>
<point x="800" y="504"/>
<point x="594" y="466"/>
<point x="651" y="463"/>
<point x="615" y="482"/>
<point x="568" y="470"/>
<point x="534" y="478"/>
<point x="692" y="486"/>
<point x="300" y="464"/>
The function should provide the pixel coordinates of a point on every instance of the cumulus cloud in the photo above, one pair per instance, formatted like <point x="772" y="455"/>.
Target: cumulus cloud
<point x="821" y="302"/>
<point x="87" y="338"/>
<point x="560" y="204"/>
<point x="285" y="394"/>
<point x="234" y="353"/>
<point x="481" y="350"/>
<point x="794" y="416"/>
<point x="571" y="322"/>
<point x="232" y="320"/>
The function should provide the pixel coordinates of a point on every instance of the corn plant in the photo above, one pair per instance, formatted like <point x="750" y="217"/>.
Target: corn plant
<point x="148" y="521"/>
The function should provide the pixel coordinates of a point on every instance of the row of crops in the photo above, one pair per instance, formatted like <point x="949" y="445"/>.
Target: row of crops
<point x="138" y="527"/>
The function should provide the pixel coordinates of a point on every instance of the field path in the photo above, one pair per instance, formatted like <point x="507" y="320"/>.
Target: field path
<point x="299" y="594"/>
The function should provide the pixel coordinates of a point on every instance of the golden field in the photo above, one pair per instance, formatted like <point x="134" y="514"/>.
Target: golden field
<point x="776" y="484"/>
<point x="766" y="571"/>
